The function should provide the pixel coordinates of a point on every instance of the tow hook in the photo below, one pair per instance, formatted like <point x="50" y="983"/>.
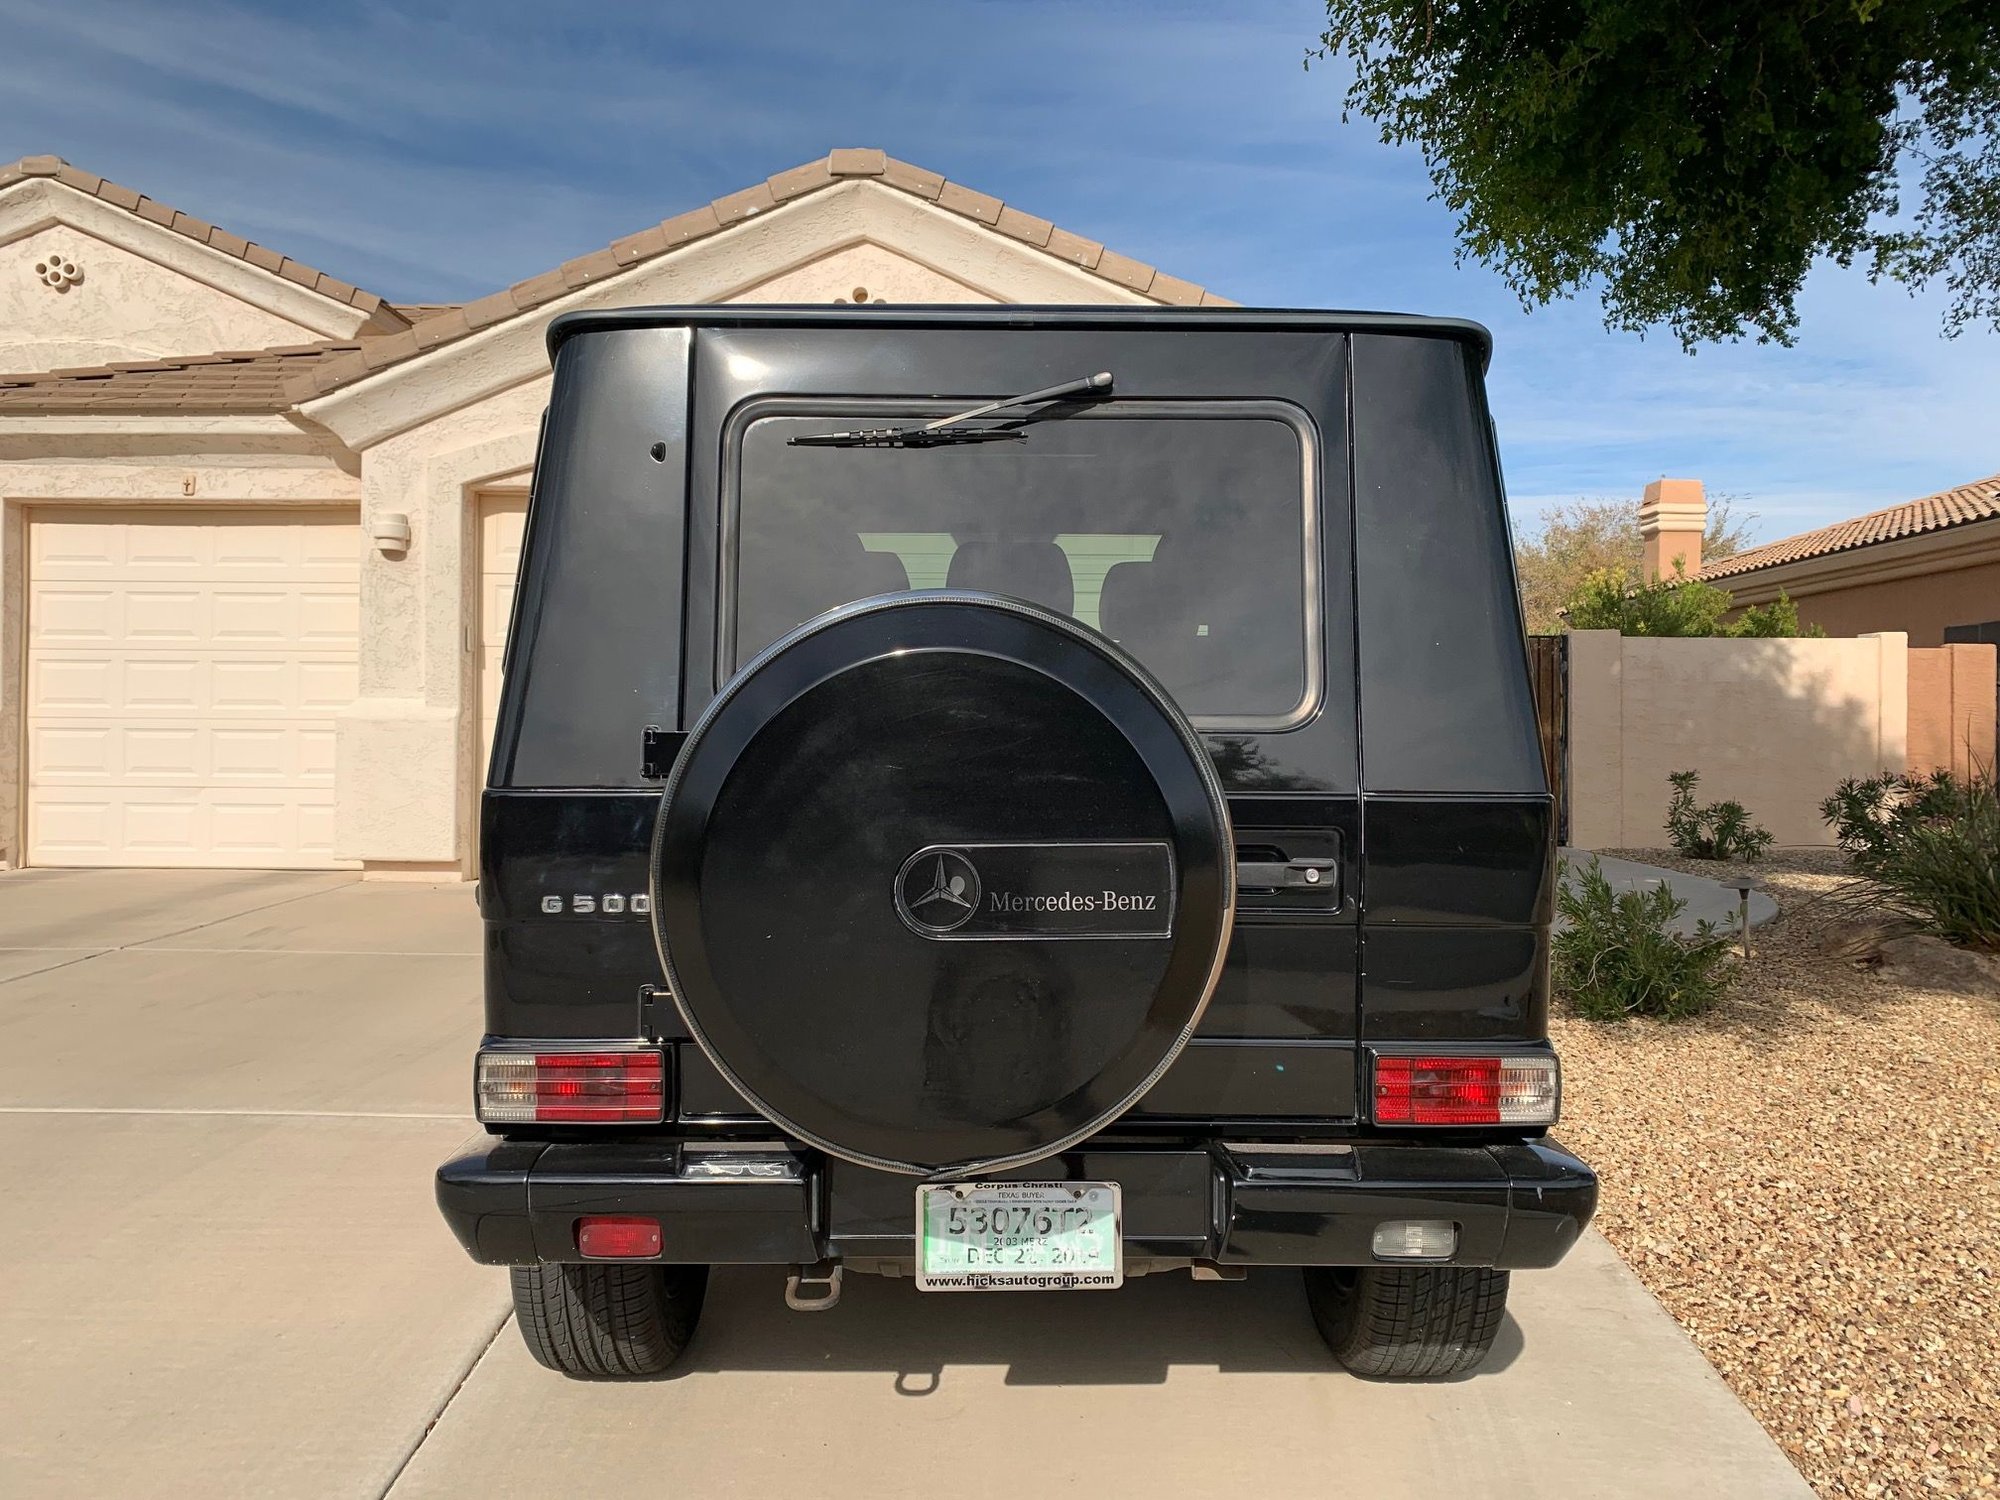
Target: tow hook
<point x="814" y="1288"/>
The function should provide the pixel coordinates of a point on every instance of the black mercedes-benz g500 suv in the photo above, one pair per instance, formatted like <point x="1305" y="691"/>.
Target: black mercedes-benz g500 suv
<point x="1018" y="798"/>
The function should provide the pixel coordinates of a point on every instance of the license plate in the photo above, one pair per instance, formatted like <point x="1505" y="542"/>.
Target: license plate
<point x="1019" y="1236"/>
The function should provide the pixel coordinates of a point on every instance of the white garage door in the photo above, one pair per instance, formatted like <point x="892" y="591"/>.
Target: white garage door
<point x="183" y="673"/>
<point x="503" y="517"/>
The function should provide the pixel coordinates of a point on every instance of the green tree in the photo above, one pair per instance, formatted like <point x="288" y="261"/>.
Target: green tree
<point x="1694" y="159"/>
<point x="1583" y="537"/>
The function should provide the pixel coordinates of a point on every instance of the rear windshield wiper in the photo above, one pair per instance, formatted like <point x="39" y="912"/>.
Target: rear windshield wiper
<point x="947" y="430"/>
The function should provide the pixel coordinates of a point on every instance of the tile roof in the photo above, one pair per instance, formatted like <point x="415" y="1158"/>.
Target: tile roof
<point x="1977" y="501"/>
<point x="844" y="165"/>
<point x="382" y="316"/>
<point x="251" y="380"/>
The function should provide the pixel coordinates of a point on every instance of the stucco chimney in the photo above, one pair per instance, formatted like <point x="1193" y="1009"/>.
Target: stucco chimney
<point x="1672" y="518"/>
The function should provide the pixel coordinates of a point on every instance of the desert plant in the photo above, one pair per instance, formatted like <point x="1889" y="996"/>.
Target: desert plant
<point x="1619" y="955"/>
<point x="1721" y="830"/>
<point x="1931" y="844"/>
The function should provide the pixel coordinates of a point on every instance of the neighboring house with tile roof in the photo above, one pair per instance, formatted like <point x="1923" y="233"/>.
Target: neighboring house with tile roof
<point x="210" y="651"/>
<point x="1929" y="566"/>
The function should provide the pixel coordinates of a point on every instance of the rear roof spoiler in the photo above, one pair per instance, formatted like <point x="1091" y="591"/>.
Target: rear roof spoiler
<point x="1236" y="319"/>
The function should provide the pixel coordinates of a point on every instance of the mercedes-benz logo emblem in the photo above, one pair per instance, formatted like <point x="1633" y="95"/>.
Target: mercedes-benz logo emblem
<point x="937" y="890"/>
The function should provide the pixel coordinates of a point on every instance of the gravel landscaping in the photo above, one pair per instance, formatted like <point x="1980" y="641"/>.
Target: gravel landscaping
<point x="1808" y="1177"/>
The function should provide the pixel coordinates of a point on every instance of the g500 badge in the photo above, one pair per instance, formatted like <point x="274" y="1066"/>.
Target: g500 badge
<point x="591" y="903"/>
<point x="966" y="892"/>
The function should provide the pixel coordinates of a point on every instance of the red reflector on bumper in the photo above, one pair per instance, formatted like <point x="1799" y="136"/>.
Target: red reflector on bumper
<point x="1516" y="1090"/>
<point x="572" y="1088"/>
<point x="607" y="1237"/>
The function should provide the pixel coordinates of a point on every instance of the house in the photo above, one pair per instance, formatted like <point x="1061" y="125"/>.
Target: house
<point x="258" y="526"/>
<point x="1929" y="568"/>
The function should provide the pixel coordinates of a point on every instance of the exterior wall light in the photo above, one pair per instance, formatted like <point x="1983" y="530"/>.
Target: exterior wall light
<point x="391" y="531"/>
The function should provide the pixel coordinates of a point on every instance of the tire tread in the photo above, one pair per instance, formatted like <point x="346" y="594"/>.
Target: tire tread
<point x="1409" y="1322"/>
<point x="607" y="1322"/>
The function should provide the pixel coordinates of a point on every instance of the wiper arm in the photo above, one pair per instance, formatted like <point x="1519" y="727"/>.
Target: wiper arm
<point x="946" y="430"/>
<point x="907" y="437"/>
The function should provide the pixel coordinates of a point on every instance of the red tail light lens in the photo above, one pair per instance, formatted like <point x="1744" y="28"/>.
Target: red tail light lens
<point x="1466" y="1090"/>
<point x="572" y="1088"/>
<point x="610" y="1237"/>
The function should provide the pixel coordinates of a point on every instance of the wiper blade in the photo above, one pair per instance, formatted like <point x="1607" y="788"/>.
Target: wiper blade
<point x="907" y="437"/>
<point x="946" y="431"/>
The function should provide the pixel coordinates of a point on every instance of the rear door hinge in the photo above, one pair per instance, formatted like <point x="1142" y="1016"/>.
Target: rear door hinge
<point x="656" y="1004"/>
<point x="657" y="750"/>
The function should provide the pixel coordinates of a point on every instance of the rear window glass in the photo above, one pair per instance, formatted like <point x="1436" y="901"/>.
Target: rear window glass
<point x="1183" y="535"/>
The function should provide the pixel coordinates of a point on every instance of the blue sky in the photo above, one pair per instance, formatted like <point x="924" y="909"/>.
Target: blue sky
<point x="438" y="151"/>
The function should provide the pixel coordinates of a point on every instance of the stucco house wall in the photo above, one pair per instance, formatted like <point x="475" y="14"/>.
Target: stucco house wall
<point x="1923" y="606"/>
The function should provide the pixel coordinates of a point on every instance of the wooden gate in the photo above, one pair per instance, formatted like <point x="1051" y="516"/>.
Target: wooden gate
<point x="1548" y="661"/>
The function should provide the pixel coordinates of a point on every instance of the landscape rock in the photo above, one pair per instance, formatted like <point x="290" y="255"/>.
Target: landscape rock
<point x="1921" y="961"/>
<point x="1862" y="941"/>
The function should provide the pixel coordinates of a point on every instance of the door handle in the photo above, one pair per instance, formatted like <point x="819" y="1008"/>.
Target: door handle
<point x="1290" y="875"/>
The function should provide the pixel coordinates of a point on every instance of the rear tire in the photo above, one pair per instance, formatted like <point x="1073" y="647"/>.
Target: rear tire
<point x="603" y="1322"/>
<point x="1408" y="1322"/>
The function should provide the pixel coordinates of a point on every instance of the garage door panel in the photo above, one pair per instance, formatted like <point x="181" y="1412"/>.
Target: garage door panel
<point x="328" y="619"/>
<point x="328" y="684"/>
<point x="162" y="617"/>
<point x="71" y="683"/>
<point x="245" y="617"/>
<point x="184" y="670"/>
<point x="79" y="753"/>
<point x="173" y="685"/>
<point x="162" y="752"/>
<point x="75" y="614"/>
<point x="74" y="830"/>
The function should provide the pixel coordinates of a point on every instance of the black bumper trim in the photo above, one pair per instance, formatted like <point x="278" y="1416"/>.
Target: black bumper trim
<point x="1517" y="1204"/>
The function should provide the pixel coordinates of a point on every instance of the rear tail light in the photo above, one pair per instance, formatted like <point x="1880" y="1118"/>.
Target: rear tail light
<point x="1466" y="1090"/>
<point x="572" y="1088"/>
<point x="616" y="1237"/>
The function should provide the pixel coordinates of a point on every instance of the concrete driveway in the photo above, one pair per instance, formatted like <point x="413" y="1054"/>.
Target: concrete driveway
<point x="221" y="1098"/>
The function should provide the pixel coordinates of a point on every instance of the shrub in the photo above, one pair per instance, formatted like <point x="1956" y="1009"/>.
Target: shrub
<point x="1722" y="830"/>
<point x="1620" y="956"/>
<point x="1612" y="599"/>
<point x="1931" y="843"/>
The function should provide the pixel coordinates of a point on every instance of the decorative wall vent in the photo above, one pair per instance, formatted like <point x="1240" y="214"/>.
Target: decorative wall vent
<point x="58" y="271"/>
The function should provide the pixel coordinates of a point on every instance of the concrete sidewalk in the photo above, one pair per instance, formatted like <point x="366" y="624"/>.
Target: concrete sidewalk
<point x="1708" y="900"/>
<point x="221" y="1099"/>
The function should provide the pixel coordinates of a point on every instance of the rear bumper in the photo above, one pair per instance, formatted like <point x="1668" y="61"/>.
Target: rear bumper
<point x="1519" y="1204"/>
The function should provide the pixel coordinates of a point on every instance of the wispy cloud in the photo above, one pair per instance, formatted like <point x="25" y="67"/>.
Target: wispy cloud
<point x="442" y="150"/>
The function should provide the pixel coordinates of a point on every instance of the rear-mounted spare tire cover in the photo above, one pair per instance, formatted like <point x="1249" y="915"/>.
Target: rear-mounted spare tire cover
<point x="942" y="883"/>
